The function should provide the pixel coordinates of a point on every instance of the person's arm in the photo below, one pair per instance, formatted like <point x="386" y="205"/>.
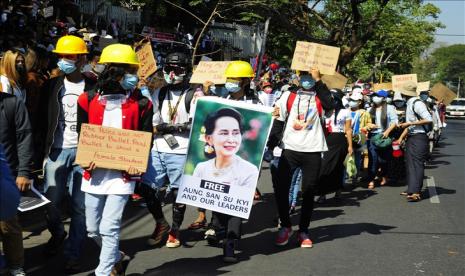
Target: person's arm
<point x="402" y="136"/>
<point x="322" y="90"/>
<point x="82" y="111"/>
<point x="24" y="144"/>
<point x="348" y="131"/>
<point x="420" y="108"/>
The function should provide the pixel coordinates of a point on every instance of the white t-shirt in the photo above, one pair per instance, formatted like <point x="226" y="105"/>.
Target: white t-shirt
<point x="163" y="116"/>
<point x="7" y="88"/>
<point x="240" y="172"/>
<point x="105" y="181"/>
<point x="65" y="134"/>
<point x="343" y="116"/>
<point x="311" y="137"/>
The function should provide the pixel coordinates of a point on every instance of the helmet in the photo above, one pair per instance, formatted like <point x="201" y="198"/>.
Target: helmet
<point x="119" y="53"/>
<point x="177" y="58"/>
<point x="239" y="69"/>
<point x="71" y="45"/>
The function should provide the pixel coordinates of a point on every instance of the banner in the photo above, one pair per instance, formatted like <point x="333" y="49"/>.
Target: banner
<point x="442" y="92"/>
<point x="335" y="81"/>
<point x="422" y="86"/>
<point x="225" y="152"/>
<point x="398" y="81"/>
<point x="148" y="64"/>
<point x="308" y="55"/>
<point x="113" y="148"/>
<point x="382" y="86"/>
<point x="210" y="71"/>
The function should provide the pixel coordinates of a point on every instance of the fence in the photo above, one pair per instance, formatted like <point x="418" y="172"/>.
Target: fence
<point x="246" y="38"/>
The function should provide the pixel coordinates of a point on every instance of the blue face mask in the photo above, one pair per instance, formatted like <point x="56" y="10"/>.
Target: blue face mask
<point x="66" y="66"/>
<point x="307" y="82"/>
<point x="145" y="92"/>
<point x="424" y="97"/>
<point x="232" y="87"/>
<point x="129" y="81"/>
<point x="219" y="91"/>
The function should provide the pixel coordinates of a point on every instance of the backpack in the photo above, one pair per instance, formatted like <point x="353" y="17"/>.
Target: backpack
<point x="429" y="127"/>
<point x="189" y="95"/>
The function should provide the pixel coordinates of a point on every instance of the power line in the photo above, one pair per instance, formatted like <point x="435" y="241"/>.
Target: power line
<point x="450" y="34"/>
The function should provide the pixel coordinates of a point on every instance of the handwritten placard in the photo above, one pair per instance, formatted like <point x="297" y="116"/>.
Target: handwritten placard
<point x="148" y="65"/>
<point x="398" y="81"/>
<point x="48" y="12"/>
<point x="113" y="148"/>
<point x="382" y="86"/>
<point x="210" y="71"/>
<point x="423" y="86"/>
<point x="308" y="55"/>
<point x="334" y="81"/>
<point x="442" y="92"/>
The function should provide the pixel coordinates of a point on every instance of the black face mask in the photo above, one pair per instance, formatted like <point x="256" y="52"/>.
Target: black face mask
<point x="21" y="69"/>
<point x="399" y="104"/>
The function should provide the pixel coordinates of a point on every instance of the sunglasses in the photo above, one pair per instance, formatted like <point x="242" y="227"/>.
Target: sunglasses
<point x="173" y="68"/>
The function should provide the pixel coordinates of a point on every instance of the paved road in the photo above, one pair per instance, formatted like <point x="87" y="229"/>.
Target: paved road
<point x="366" y="233"/>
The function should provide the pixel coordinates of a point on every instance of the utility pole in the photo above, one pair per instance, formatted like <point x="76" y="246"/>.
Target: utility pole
<point x="262" y="50"/>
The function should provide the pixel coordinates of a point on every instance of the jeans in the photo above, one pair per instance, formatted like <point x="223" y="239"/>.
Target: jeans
<point x="416" y="153"/>
<point x="103" y="220"/>
<point x="378" y="159"/>
<point x="295" y="186"/>
<point x="63" y="177"/>
<point x="358" y="159"/>
<point x="12" y="236"/>
<point x="290" y="161"/>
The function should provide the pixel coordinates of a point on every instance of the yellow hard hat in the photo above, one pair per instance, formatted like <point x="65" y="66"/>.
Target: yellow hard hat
<point x="239" y="69"/>
<point x="71" y="45"/>
<point x="119" y="53"/>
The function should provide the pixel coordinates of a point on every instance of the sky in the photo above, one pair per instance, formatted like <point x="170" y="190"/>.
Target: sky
<point x="453" y="17"/>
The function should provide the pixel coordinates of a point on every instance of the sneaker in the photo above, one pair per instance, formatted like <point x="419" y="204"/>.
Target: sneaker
<point x="173" y="240"/>
<point x="119" y="267"/>
<point x="17" y="272"/>
<point x="304" y="240"/>
<point x="54" y="244"/>
<point x="283" y="236"/>
<point x="229" y="254"/>
<point x="72" y="266"/>
<point x="159" y="233"/>
<point x="210" y="236"/>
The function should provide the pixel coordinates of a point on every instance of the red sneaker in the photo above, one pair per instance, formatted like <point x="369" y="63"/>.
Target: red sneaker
<point x="283" y="236"/>
<point x="304" y="240"/>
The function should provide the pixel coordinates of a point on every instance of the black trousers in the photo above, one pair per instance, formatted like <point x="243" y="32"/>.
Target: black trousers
<point x="416" y="153"/>
<point x="152" y="200"/>
<point x="310" y="163"/>
<point x="232" y="224"/>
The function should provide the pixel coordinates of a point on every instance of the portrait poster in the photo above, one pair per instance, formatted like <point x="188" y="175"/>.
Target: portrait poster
<point x="225" y="152"/>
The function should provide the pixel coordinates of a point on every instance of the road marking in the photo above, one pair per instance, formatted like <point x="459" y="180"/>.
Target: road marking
<point x="433" y="195"/>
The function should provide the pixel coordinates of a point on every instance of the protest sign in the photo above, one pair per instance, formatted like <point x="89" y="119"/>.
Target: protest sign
<point x="398" y="81"/>
<point x="31" y="200"/>
<point x="148" y="65"/>
<point x="104" y="42"/>
<point x="113" y="148"/>
<point x="382" y="86"/>
<point x="210" y="71"/>
<point x="442" y="92"/>
<point x="334" y="81"/>
<point x="48" y="12"/>
<point x="423" y="86"/>
<point x="308" y="55"/>
<point x="225" y="152"/>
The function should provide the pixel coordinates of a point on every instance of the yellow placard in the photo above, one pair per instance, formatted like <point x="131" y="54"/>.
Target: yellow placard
<point x="210" y="71"/>
<point x="309" y="54"/>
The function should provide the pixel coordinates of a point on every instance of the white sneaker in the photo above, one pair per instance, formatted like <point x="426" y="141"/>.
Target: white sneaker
<point x="17" y="272"/>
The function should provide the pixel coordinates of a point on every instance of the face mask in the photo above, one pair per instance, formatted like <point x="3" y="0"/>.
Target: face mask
<point x="353" y="104"/>
<point x="424" y="97"/>
<point x="173" y="79"/>
<point x="21" y="69"/>
<point x="232" y="87"/>
<point x="307" y="82"/>
<point x="268" y="90"/>
<point x="99" y="68"/>
<point x="388" y="100"/>
<point x="377" y="100"/>
<point x="67" y="66"/>
<point x="399" y="104"/>
<point x="146" y="92"/>
<point x="129" y="81"/>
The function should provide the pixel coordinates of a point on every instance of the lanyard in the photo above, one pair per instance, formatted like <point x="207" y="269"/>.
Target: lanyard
<point x="298" y="108"/>
<point x="172" y="111"/>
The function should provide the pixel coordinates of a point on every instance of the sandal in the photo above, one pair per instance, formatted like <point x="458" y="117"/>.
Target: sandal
<point x="413" y="198"/>
<point x="197" y="225"/>
<point x="371" y="185"/>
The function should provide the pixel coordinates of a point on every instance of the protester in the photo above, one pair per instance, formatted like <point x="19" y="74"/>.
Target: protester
<point x="304" y="141"/>
<point x="13" y="74"/>
<point x="60" y="151"/>
<point x="16" y="141"/>
<point x="417" y="122"/>
<point x="107" y="191"/>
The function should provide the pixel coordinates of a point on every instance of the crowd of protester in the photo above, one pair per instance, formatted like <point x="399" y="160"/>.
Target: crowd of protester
<point x="54" y="85"/>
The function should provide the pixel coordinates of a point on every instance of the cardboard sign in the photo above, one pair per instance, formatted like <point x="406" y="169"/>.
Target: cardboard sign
<point x="308" y="55"/>
<point x="148" y="64"/>
<point x="48" y="12"/>
<point x="113" y="148"/>
<point x="210" y="71"/>
<point x="382" y="86"/>
<point x="422" y="86"/>
<point x="398" y="81"/>
<point x="104" y="42"/>
<point x="230" y="189"/>
<point x="442" y="92"/>
<point x="334" y="81"/>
